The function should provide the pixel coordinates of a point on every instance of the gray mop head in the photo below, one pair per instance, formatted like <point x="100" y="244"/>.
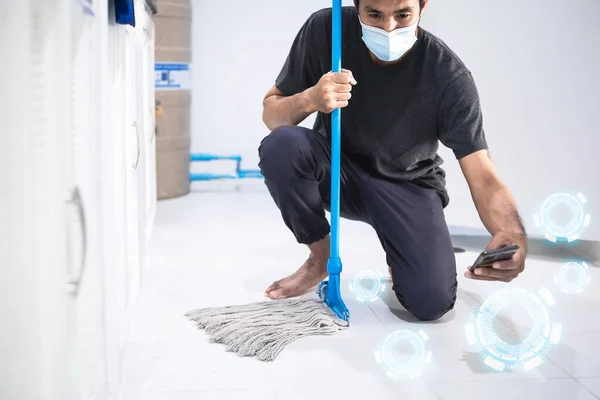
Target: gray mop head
<point x="264" y="328"/>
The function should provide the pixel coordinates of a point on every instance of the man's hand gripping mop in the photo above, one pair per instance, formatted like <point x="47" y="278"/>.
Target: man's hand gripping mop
<point x="263" y="329"/>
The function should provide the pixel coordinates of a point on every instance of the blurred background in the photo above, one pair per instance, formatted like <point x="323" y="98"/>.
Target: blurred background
<point x="116" y="115"/>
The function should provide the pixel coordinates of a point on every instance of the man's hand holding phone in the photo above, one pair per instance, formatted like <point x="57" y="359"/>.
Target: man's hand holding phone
<point x="503" y="259"/>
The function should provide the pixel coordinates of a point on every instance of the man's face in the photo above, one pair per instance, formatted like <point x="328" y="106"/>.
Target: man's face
<point x="389" y="15"/>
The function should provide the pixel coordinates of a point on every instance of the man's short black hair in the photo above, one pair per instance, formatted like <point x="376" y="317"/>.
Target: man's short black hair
<point x="421" y="3"/>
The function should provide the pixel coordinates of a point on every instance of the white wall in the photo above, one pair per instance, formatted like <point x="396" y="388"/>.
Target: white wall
<point x="536" y="70"/>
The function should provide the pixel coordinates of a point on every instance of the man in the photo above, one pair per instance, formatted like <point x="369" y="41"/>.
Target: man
<point x="402" y="91"/>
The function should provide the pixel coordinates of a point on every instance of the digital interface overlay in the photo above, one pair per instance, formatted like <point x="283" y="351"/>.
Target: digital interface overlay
<point x="496" y="351"/>
<point x="573" y="277"/>
<point x="367" y="286"/>
<point x="408" y="364"/>
<point x="571" y="231"/>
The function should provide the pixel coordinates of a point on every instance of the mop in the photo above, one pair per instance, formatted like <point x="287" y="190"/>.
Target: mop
<point x="263" y="329"/>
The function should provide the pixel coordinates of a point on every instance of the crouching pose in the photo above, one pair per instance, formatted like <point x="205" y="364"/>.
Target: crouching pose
<point x="402" y="91"/>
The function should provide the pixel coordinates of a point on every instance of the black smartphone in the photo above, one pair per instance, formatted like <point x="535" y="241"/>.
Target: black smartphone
<point x="487" y="258"/>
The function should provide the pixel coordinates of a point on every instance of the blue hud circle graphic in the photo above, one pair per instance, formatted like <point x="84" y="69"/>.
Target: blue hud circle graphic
<point x="526" y="355"/>
<point x="409" y="367"/>
<point x="367" y="286"/>
<point x="572" y="277"/>
<point x="563" y="233"/>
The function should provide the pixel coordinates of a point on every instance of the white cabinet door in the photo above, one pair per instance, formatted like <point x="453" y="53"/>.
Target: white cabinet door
<point x="146" y="171"/>
<point x="125" y="160"/>
<point x="113" y="186"/>
<point x="32" y="279"/>
<point x="149" y="125"/>
<point x="133" y="162"/>
<point x="84" y="234"/>
<point x="59" y="282"/>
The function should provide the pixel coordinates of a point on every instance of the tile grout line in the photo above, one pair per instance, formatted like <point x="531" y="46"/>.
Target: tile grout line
<point x="388" y="329"/>
<point x="585" y="388"/>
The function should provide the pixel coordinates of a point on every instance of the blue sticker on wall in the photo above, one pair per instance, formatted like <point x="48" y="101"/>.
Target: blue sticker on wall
<point x="172" y="76"/>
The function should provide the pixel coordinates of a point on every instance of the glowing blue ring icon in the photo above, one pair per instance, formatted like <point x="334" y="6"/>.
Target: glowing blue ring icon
<point x="497" y="353"/>
<point x="572" y="230"/>
<point x="572" y="277"/>
<point x="419" y="359"/>
<point x="361" y="291"/>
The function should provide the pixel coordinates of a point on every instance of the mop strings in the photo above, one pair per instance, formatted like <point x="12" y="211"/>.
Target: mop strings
<point x="264" y="329"/>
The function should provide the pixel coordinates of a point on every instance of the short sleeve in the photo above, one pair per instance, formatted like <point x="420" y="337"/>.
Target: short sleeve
<point x="301" y="68"/>
<point x="460" y="119"/>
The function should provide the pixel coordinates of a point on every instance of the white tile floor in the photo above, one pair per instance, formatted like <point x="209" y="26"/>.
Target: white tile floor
<point x="221" y="246"/>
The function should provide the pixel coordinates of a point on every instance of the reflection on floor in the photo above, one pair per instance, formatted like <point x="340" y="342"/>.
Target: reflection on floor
<point x="224" y="247"/>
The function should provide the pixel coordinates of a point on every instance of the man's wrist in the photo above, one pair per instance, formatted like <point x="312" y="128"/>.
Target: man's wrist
<point x="517" y="235"/>
<point x="307" y="104"/>
<point x="514" y="233"/>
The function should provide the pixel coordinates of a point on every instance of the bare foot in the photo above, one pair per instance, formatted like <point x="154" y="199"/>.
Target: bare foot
<point x="310" y="274"/>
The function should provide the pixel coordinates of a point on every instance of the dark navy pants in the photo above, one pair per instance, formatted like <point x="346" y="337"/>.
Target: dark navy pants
<point x="408" y="219"/>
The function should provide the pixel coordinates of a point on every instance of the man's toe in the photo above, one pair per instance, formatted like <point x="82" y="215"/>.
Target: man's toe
<point x="276" y="294"/>
<point x="274" y="285"/>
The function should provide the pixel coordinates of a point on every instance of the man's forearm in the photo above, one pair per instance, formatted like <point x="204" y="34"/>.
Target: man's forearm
<point x="287" y="110"/>
<point x="497" y="209"/>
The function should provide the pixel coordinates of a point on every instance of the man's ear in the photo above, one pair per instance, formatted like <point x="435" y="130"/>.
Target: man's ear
<point x="425" y="4"/>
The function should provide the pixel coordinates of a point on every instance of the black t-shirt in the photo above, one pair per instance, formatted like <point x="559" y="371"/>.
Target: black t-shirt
<point x="398" y="113"/>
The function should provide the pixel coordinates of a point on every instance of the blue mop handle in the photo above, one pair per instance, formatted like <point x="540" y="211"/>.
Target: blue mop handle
<point x="336" y="127"/>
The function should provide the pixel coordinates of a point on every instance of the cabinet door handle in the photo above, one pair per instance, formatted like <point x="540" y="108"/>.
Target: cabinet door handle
<point x="75" y="276"/>
<point x="137" y="136"/>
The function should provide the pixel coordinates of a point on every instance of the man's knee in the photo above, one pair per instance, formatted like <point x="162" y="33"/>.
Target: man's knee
<point x="282" y="150"/>
<point x="429" y="305"/>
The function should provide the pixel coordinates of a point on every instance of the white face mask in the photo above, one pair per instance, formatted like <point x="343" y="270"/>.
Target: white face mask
<point x="389" y="46"/>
